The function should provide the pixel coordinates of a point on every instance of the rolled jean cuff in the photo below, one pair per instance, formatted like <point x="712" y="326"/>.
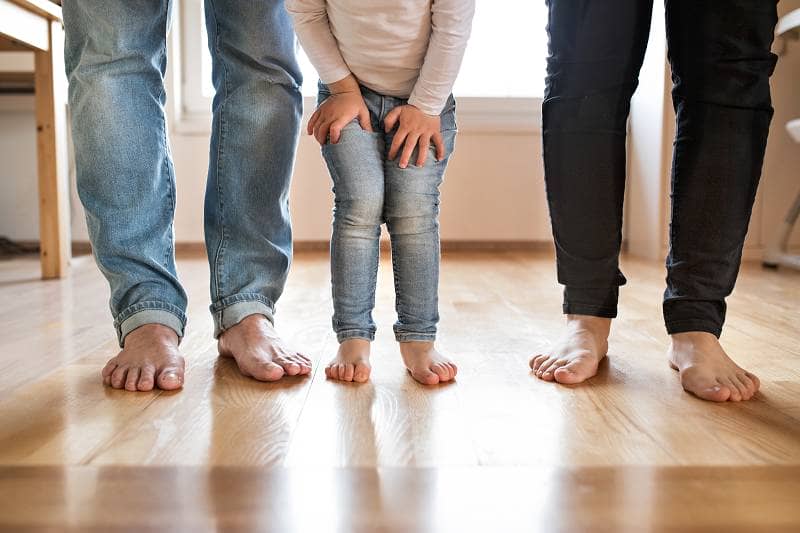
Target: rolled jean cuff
<point x="342" y="336"/>
<point x="144" y="313"/>
<point x="231" y="310"/>
<point x="404" y="336"/>
<point x="601" y="302"/>
<point x="688" y="325"/>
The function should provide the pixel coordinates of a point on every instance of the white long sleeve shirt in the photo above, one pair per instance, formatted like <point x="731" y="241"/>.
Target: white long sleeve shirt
<point x="402" y="48"/>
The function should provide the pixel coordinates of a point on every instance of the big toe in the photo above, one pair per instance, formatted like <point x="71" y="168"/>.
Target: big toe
<point x="706" y="389"/>
<point x="267" y="371"/>
<point x="361" y="374"/>
<point x="170" y="379"/>
<point x="424" y="376"/>
<point x="573" y="373"/>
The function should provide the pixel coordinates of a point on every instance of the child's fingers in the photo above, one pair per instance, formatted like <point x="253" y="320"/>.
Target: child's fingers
<point x="397" y="142"/>
<point x="422" y="150"/>
<point x="391" y="118"/>
<point x="321" y="132"/>
<point x="312" y="122"/>
<point x="438" y="142"/>
<point x="408" y="149"/>
<point x="364" y="120"/>
<point x="335" y="130"/>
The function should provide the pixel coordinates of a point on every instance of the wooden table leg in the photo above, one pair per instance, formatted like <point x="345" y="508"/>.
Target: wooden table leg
<point x="51" y="141"/>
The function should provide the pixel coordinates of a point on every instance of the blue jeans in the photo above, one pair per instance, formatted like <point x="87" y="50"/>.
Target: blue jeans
<point x="116" y="61"/>
<point x="370" y="190"/>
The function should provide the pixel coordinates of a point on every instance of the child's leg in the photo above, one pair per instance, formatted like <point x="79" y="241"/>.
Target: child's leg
<point x="356" y="167"/>
<point x="412" y="217"/>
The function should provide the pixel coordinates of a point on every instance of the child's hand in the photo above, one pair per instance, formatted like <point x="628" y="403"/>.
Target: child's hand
<point x="343" y="105"/>
<point x="415" y="129"/>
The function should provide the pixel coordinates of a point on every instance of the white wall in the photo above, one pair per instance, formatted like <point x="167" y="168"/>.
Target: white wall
<point x="493" y="191"/>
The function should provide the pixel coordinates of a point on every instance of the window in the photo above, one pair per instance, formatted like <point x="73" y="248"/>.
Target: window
<point x="503" y="69"/>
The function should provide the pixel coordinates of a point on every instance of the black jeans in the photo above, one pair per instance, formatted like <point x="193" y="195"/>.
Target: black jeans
<point x="719" y="51"/>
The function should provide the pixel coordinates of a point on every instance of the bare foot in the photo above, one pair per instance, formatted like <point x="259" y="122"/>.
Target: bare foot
<point x="425" y="364"/>
<point x="351" y="362"/>
<point x="259" y="351"/>
<point x="577" y="354"/>
<point x="706" y="370"/>
<point x="149" y="359"/>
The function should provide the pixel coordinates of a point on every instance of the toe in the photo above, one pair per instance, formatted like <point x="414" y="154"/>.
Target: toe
<point x="330" y="372"/>
<point x="118" y="377"/>
<point x="132" y="380"/>
<point x="349" y="371"/>
<point x="304" y="363"/>
<point x="747" y="383"/>
<point x="425" y="376"/>
<point x="170" y="378"/>
<point x="266" y="371"/>
<point x="549" y="374"/>
<point x="361" y="374"/>
<point x="741" y="389"/>
<point x="453" y="370"/>
<point x="543" y="368"/>
<point x="147" y="379"/>
<point x="441" y="371"/>
<point x="536" y="361"/>
<point x="569" y="374"/>
<point x="109" y="369"/>
<point x="754" y="379"/>
<point x="342" y="370"/>
<point x="289" y="366"/>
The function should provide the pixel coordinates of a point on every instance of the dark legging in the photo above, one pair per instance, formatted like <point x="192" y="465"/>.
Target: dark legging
<point x="721" y="63"/>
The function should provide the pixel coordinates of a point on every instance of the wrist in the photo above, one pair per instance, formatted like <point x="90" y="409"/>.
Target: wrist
<point x="346" y="85"/>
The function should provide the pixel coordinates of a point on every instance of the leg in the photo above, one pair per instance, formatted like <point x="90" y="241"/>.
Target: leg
<point x="257" y="109"/>
<point x="593" y="70"/>
<point x="356" y="167"/>
<point x="115" y="54"/>
<point x="721" y="64"/>
<point x="412" y="218"/>
<point x="51" y="121"/>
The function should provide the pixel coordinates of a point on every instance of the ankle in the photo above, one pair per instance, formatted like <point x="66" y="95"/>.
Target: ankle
<point x="155" y="332"/>
<point x="693" y="338"/>
<point x="594" y="325"/>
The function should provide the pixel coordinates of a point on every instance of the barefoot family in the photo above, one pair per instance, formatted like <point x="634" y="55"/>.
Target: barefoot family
<point x="386" y="124"/>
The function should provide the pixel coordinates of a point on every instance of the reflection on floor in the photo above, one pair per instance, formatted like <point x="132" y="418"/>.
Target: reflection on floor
<point x="498" y="449"/>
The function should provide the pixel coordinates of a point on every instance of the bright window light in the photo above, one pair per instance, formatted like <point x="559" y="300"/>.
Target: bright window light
<point x="505" y="58"/>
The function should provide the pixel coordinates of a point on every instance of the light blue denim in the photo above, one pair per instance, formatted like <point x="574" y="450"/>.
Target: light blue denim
<point x="115" y="62"/>
<point x="370" y="190"/>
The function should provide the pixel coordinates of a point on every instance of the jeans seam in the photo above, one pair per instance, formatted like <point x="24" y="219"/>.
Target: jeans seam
<point x="220" y="253"/>
<point x="149" y="305"/>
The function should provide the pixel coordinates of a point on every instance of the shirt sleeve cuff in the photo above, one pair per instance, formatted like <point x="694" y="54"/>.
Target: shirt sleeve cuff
<point x="334" y="74"/>
<point x="426" y="106"/>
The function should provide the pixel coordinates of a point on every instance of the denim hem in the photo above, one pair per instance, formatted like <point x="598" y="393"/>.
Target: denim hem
<point x="342" y="336"/>
<point x="570" y="308"/>
<point x="689" y="325"/>
<point x="231" y="310"/>
<point x="152" y="312"/>
<point x="415" y="337"/>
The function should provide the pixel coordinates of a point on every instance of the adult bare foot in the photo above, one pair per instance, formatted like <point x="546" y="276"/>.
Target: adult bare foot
<point x="425" y="364"/>
<point x="706" y="370"/>
<point x="149" y="359"/>
<point x="577" y="354"/>
<point x="351" y="362"/>
<point x="259" y="352"/>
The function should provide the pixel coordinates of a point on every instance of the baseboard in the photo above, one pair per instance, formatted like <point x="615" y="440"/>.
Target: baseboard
<point x="199" y="248"/>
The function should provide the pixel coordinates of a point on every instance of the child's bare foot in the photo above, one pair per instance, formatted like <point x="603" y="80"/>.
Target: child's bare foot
<point x="577" y="354"/>
<point x="149" y="359"/>
<point x="425" y="364"/>
<point x="351" y="362"/>
<point x="706" y="370"/>
<point x="259" y="351"/>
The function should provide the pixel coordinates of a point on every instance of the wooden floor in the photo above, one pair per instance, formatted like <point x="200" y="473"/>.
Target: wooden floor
<point x="497" y="451"/>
